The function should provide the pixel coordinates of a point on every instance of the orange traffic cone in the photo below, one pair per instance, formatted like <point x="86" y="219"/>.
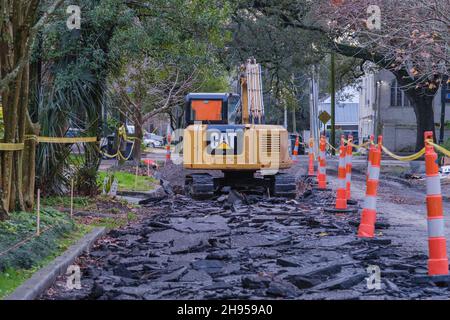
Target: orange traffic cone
<point x="348" y="166"/>
<point x="438" y="261"/>
<point x="295" y="152"/>
<point x="341" y="196"/>
<point x="322" y="171"/>
<point x="369" y="212"/>
<point x="311" y="172"/>
<point x="169" y="140"/>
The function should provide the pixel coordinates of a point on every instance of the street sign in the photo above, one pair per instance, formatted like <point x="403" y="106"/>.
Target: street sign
<point x="324" y="117"/>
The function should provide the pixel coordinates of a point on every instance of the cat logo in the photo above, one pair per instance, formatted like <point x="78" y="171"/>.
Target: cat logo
<point x="223" y="140"/>
<point x="223" y="146"/>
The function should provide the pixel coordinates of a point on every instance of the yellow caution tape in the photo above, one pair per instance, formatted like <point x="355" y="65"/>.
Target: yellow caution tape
<point x="404" y="158"/>
<point x="439" y="148"/>
<point x="11" y="146"/>
<point x="121" y="156"/>
<point x="111" y="156"/>
<point x="330" y="146"/>
<point x="122" y="134"/>
<point x="364" y="145"/>
<point x="66" y="140"/>
<point x="61" y="139"/>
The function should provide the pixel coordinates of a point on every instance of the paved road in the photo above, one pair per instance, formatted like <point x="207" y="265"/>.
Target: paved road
<point x="403" y="207"/>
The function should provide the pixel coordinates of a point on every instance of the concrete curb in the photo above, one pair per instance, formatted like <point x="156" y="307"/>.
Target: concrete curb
<point x="139" y="194"/>
<point x="45" y="277"/>
<point x="135" y="197"/>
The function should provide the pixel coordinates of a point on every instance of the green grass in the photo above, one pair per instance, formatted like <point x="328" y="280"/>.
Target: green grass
<point x="115" y="223"/>
<point x="64" y="201"/>
<point x="21" y="263"/>
<point x="127" y="181"/>
<point x="11" y="278"/>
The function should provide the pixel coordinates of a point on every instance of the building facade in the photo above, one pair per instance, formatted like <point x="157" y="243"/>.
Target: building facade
<point x="384" y="108"/>
<point x="346" y="112"/>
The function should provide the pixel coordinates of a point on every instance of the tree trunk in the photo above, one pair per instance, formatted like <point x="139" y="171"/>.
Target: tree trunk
<point x="422" y="102"/>
<point x="423" y="108"/>
<point x="29" y="165"/>
<point x="139" y="134"/>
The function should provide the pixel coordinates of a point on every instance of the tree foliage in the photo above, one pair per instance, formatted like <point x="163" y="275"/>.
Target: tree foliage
<point x="407" y="26"/>
<point x="73" y="66"/>
<point x="166" y="53"/>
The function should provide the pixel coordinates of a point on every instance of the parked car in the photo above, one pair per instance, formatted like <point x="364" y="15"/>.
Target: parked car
<point x="154" y="141"/>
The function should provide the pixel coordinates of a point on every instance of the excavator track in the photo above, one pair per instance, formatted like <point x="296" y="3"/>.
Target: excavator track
<point x="284" y="186"/>
<point x="199" y="186"/>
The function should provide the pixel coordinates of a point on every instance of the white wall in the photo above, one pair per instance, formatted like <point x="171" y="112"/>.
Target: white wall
<point x="398" y="123"/>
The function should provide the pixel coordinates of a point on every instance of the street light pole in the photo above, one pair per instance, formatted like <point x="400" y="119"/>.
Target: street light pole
<point x="333" y="101"/>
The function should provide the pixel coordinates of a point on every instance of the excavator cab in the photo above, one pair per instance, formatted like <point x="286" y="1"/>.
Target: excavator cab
<point x="212" y="108"/>
<point x="226" y="132"/>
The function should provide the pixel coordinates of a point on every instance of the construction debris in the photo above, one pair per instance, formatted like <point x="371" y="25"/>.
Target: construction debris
<point x="241" y="247"/>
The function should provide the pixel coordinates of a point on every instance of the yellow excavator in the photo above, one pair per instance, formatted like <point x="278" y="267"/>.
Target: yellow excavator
<point x="227" y="132"/>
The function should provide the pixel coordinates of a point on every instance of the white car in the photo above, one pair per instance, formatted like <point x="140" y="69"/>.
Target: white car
<point x="153" y="140"/>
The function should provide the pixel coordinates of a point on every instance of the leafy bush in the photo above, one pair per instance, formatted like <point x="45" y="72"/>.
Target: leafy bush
<point x="22" y="227"/>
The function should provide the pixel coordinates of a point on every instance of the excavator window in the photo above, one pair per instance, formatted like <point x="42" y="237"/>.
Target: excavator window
<point x="206" y="110"/>
<point x="234" y="111"/>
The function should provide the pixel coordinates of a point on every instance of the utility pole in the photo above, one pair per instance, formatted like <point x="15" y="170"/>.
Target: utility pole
<point x="333" y="101"/>
<point x="285" y="117"/>
<point x="443" y="100"/>
<point x="313" y="100"/>
<point x="294" y="123"/>
<point x="294" y="90"/>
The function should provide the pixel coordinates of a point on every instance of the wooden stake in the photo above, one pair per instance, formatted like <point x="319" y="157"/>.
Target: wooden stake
<point x="71" y="199"/>
<point x="135" y="179"/>
<point x="148" y="168"/>
<point x="38" y="218"/>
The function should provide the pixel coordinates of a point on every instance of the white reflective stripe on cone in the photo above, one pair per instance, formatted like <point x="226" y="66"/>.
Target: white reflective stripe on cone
<point x="342" y="184"/>
<point x="322" y="170"/>
<point x="348" y="177"/>
<point x="374" y="173"/>
<point x="349" y="159"/>
<point x="370" y="203"/>
<point x="436" y="228"/>
<point x="322" y="154"/>
<point x="369" y="167"/>
<point x="433" y="185"/>
<point x="342" y="162"/>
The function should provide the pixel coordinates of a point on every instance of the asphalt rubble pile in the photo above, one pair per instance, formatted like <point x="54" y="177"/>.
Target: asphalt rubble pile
<point x="247" y="247"/>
